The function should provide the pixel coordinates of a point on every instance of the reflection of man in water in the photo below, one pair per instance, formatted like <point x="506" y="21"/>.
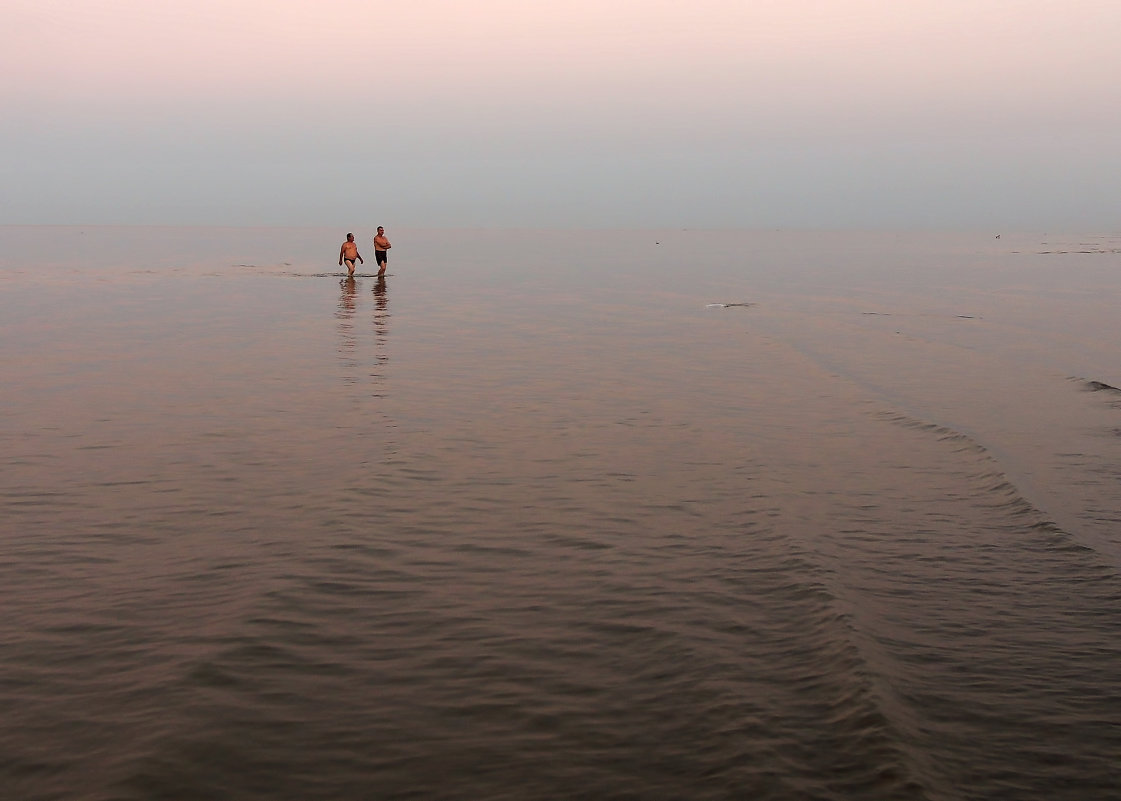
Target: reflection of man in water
<point x="381" y="328"/>
<point x="349" y="253"/>
<point x="381" y="245"/>
<point x="348" y="302"/>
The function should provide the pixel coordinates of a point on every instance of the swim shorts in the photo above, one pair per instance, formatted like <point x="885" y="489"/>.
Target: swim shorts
<point x="381" y="256"/>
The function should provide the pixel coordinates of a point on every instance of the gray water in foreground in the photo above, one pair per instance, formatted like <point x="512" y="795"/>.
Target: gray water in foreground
<point x="554" y="515"/>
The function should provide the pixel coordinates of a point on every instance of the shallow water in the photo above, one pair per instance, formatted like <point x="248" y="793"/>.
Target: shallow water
<point x="560" y="515"/>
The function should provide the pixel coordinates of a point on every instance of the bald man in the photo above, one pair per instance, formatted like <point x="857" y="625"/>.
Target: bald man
<point x="348" y="253"/>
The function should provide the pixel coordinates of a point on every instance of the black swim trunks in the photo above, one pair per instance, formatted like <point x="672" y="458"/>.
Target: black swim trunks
<point x="381" y="256"/>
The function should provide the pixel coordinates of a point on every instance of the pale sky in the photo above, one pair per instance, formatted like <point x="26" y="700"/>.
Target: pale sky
<point x="604" y="113"/>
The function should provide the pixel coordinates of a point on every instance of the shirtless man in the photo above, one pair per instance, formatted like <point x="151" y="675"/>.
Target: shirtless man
<point x="348" y="253"/>
<point x="381" y="245"/>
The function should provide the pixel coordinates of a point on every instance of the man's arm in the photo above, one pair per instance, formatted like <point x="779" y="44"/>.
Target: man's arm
<point x="342" y="250"/>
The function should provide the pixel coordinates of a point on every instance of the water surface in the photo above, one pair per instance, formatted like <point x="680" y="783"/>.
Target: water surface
<point x="627" y="514"/>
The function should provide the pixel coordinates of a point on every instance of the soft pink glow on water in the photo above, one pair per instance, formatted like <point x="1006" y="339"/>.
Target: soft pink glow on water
<point x="698" y="515"/>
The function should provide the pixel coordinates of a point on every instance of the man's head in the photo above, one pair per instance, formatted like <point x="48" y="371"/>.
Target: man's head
<point x="380" y="230"/>
<point x="350" y="237"/>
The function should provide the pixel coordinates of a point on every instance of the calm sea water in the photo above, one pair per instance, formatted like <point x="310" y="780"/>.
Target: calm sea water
<point x="554" y="515"/>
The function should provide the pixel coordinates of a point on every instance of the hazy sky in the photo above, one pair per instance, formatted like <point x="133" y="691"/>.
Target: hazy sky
<point x="644" y="113"/>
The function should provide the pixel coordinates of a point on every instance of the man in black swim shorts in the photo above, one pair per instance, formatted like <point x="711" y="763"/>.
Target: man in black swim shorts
<point x="381" y="245"/>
